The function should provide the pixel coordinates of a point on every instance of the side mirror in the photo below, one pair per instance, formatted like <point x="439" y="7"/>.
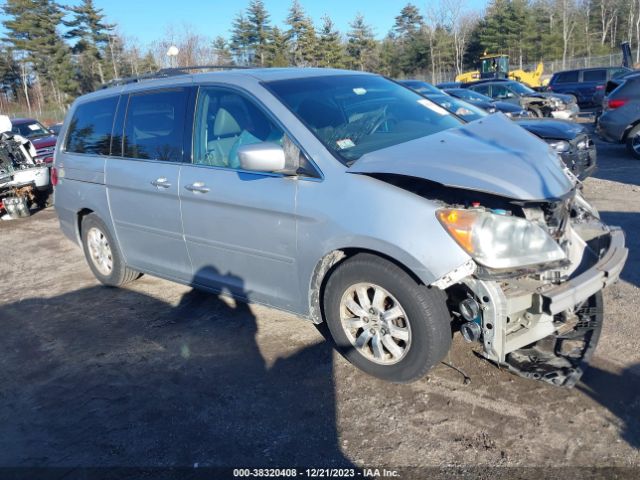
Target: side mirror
<point x="261" y="157"/>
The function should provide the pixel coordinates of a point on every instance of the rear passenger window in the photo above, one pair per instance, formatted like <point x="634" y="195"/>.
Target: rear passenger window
<point x="594" y="76"/>
<point x="566" y="77"/>
<point x="154" y="126"/>
<point x="90" y="128"/>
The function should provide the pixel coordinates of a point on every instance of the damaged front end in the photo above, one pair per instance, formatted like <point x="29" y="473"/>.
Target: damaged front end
<point x="23" y="181"/>
<point x="541" y="320"/>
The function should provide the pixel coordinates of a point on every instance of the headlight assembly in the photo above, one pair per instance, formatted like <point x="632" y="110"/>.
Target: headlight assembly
<point x="560" y="146"/>
<point x="499" y="241"/>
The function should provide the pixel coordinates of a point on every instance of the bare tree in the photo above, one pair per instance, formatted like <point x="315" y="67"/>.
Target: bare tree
<point x="568" y="16"/>
<point x="460" y="23"/>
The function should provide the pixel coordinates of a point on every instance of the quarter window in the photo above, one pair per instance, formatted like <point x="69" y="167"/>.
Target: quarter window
<point x="154" y="127"/>
<point x="225" y="121"/>
<point x="90" y="128"/>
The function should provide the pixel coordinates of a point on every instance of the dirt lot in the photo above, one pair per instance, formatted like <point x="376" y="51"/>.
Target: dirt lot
<point x="159" y="375"/>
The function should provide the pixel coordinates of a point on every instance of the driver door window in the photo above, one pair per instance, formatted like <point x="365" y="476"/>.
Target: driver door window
<point x="501" y="91"/>
<point x="225" y="121"/>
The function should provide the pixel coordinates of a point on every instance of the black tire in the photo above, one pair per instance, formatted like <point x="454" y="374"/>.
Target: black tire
<point x="535" y="112"/>
<point x="44" y="198"/>
<point x="119" y="273"/>
<point x="634" y="137"/>
<point x="425" y="308"/>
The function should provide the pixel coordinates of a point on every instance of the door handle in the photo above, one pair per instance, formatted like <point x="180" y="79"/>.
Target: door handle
<point x="197" y="187"/>
<point x="161" y="182"/>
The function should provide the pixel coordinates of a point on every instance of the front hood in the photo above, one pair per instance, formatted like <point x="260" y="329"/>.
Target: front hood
<point x="492" y="155"/>
<point x="548" y="128"/>
<point x="548" y="95"/>
<point x="507" y="107"/>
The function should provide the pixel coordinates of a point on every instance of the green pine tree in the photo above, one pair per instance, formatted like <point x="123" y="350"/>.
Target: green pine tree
<point x="276" y="53"/>
<point x="240" y="44"/>
<point x="258" y="29"/>
<point x="330" y="49"/>
<point x="361" y="44"/>
<point x="92" y="45"/>
<point x="221" y="51"/>
<point x="301" y="36"/>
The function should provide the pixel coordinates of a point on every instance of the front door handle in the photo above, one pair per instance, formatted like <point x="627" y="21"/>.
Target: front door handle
<point x="197" y="187"/>
<point x="161" y="182"/>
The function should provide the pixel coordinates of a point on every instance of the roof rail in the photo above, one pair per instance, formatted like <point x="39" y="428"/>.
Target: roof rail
<point x="170" y="72"/>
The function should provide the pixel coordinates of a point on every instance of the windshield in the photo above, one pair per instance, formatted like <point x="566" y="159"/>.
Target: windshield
<point x="467" y="94"/>
<point x="520" y="88"/>
<point x="462" y="109"/>
<point x="353" y="115"/>
<point x="421" y="87"/>
<point x="30" y="130"/>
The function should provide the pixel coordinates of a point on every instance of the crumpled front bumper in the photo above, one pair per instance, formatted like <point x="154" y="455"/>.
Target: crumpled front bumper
<point x="603" y="273"/>
<point x="569" y="113"/>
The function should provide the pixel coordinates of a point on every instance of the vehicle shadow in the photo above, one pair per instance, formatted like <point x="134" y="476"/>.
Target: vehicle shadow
<point x="113" y="377"/>
<point x="630" y="223"/>
<point x="620" y="394"/>
<point x="616" y="164"/>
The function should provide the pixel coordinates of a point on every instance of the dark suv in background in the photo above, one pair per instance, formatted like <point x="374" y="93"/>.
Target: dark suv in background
<point x="585" y="83"/>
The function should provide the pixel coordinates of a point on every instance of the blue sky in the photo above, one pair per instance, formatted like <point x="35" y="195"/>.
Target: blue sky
<point x="147" y="20"/>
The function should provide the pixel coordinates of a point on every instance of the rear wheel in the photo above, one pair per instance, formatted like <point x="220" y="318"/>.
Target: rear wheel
<point x="103" y="255"/>
<point x="385" y="322"/>
<point x="633" y="142"/>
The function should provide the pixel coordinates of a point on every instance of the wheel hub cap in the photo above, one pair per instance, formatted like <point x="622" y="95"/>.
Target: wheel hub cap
<point x="100" y="251"/>
<point x="375" y="323"/>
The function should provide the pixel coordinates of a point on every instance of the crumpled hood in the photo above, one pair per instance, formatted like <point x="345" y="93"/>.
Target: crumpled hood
<point x="492" y="155"/>
<point x="562" y="96"/>
<point x="550" y="128"/>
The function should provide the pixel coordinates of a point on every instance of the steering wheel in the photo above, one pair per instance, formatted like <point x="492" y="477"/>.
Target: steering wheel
<point x="378" y="120"/>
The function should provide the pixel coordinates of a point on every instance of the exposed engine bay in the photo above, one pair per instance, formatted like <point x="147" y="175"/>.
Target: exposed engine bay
<point x="23" y="181"/>
<point x="541" y="321"/>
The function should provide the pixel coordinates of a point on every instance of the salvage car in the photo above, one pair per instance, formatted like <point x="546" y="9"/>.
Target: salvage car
<point x="620" y="119"/>
<point x="487" y="104"/>
<point x="42" y="138"/>
<point x="24" y="181"/>
<point x="539" y="104"/>
<point x="345" y="198"/>
<point x="570" y="140"/>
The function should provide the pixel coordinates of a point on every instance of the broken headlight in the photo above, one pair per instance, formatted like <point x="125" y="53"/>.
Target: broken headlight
<point x="499" y="240"/>
<point x="560" y="146"/>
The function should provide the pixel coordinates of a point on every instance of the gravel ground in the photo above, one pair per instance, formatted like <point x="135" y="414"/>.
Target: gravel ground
<point x="157" y="374"/>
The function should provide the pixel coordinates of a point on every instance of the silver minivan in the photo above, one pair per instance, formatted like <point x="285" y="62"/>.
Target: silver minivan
<point x="347" y="198"/>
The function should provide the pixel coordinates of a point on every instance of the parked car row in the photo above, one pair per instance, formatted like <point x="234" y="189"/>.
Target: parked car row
<point x="345" y="198"/>
<point x="570" y="140"/>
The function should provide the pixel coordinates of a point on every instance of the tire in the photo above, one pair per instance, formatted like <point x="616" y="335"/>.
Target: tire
<point x="44" y="198"/>
<point x="633" y="142"/>
<point x="535" y="112"/>
<point x="98" y="244"/>
<point x="425" y="320"/>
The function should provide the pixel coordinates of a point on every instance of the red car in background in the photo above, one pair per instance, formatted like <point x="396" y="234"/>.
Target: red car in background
<point x="43" y="139"/>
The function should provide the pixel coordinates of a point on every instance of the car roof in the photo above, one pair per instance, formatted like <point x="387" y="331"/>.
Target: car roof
<point x="587" y="69"/>
<point x="22" y="120"/>
<point x="225" y="76"/>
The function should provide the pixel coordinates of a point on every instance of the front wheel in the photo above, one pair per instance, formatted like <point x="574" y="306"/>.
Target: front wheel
<point x="633" y="142"/>
<point x="103" y="255"/>
<point x="385" y="322"/>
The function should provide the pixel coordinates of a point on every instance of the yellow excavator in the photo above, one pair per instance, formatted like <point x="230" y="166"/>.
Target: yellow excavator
<point x="497" y="66"/>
